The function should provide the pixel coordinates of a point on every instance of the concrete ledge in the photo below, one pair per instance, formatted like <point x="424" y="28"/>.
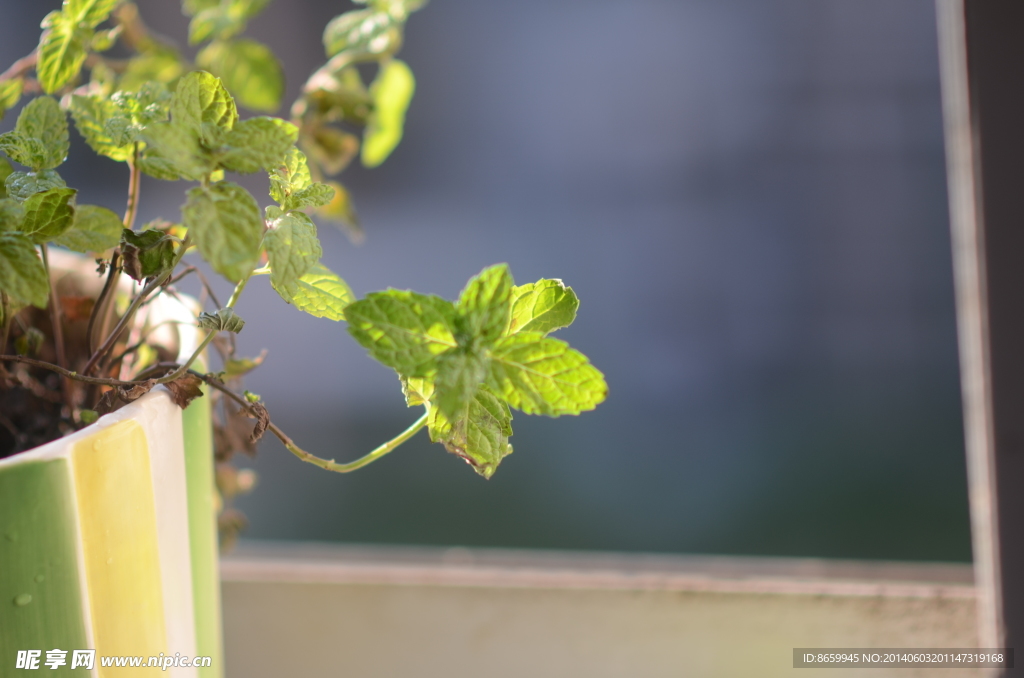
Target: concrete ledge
<point x="314" y="609"/>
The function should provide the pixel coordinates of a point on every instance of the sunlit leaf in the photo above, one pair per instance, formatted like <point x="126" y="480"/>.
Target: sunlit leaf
<point x="391" y="91"/>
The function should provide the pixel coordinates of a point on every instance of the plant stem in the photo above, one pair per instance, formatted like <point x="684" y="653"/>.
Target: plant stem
<point x="58" y="330"/>
<point x="136" y="302"/>
<point x="213" y="381"/>
<point x="176" y="374"/>
<point x="327" y="464"/>
<point x="133" y="187"/>
<point x="20" y="67"/>
<point x="238" y="290"/>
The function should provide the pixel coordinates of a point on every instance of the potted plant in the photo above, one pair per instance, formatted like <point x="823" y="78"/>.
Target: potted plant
<point x="95" y="369"/>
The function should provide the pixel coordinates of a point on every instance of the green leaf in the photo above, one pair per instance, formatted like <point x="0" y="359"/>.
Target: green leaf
<point x="222" y="20"/>
<point x="237" y="367"/>
<point x="543" y="306"/>
<point x="417" y="391"/>
<point x="292" y="187"/>
<point x="61" y="50"/>
<point x="362" y="34"/>
<point x="320" y="293"/>
<point x="404" y="330"/>
<point x="95" y="229"/>
<point x="290" y="175"/>
<point x="459" y="374"/>
<point x="22" y="275"/>
<point x="484" y="304"/>
<point x="90" y="12"/>
<point x="223" y="320"/>
<point x="193" y="7"/>
<point x="49" y="214"/>
<point x="21" y="185"/>
<point x="173" y="152"/>
<point x="258" y="143"/>
<point x="541" y="375"/>
<point x="479" y="434"/>
<point x="147" y="253"/>
<point x="202" y="104"/>
<point x="293" y="249"/>
<point x="94" y="118"/>
<point x="10" y="94"/>
<point x="11" y="215"/>
<point x="5" y="171"/>
<point x="160" y="63"/>
<point x="40" y="137"/>
<point x="225" y="221"/>
<point x="250" y="71"/>
<point x="391" y="91"/>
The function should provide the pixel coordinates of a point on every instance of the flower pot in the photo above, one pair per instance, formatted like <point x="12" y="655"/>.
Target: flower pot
<point x="108" y="541"/>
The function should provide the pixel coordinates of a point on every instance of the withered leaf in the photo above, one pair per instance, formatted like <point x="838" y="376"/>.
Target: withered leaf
<point x="137" y="391"/>
<point x="262" y="421"/>
<point x="185" y="389"/>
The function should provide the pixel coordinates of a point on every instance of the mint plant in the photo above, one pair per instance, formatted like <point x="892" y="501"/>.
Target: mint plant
<point x="467" y="363"/>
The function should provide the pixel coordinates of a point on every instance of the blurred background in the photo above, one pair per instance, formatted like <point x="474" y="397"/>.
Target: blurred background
<point x="749" y="199"/>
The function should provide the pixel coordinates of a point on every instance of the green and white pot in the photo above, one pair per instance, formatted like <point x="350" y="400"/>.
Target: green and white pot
<point x="108" y="542"/>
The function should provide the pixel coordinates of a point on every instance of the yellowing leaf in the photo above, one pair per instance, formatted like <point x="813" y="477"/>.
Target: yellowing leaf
<point x="250" y="71"/>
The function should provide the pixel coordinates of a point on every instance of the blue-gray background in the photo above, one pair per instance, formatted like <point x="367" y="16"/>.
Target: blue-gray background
<point x="749" y="198"/>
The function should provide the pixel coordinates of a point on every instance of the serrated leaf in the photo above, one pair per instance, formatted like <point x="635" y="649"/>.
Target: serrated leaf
<point x="95" y="229"/>
<point x="61" y="50"/>
<point x="173" y="151"/>
<point x="542" y="375"/>
<point x="484" y="304"/>
<point x="22" y="185"/>
<point x="225" y="320"/>
<point x="40" y="137"/>
<point x="225" y="222"/>
<point x="201" y="103"/>
<point x="258" y="143"/>
<point x="10" y="94"/>
<point x="94" y="117"/>
<point x="479" y="434"/>
<point x="320" y="293"/>
<point x="48" y="214"/>
<point x="362" y="34"/>
<point x="460" y="372"/>
<point x="403" y="330"/>
<point x="250" y="71"/>
<point x="11" y="215"/>
<point x="147" y="253"/>
<point x="543" y="306"/>
<point x="290" y="175"/>
<point x="293" y="249"/>
<point x="391" y="91"/>
<point x="22" y="275"/>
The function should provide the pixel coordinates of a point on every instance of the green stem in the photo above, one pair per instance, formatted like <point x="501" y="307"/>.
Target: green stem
<point x="176" y="374"/>
<point x="238" y="290"/>
<point x="331" y="465"/>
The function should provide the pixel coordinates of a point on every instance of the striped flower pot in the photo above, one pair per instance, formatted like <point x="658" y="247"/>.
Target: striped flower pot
<point x="108" y="543"/>
<point x="108" y="537"/>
